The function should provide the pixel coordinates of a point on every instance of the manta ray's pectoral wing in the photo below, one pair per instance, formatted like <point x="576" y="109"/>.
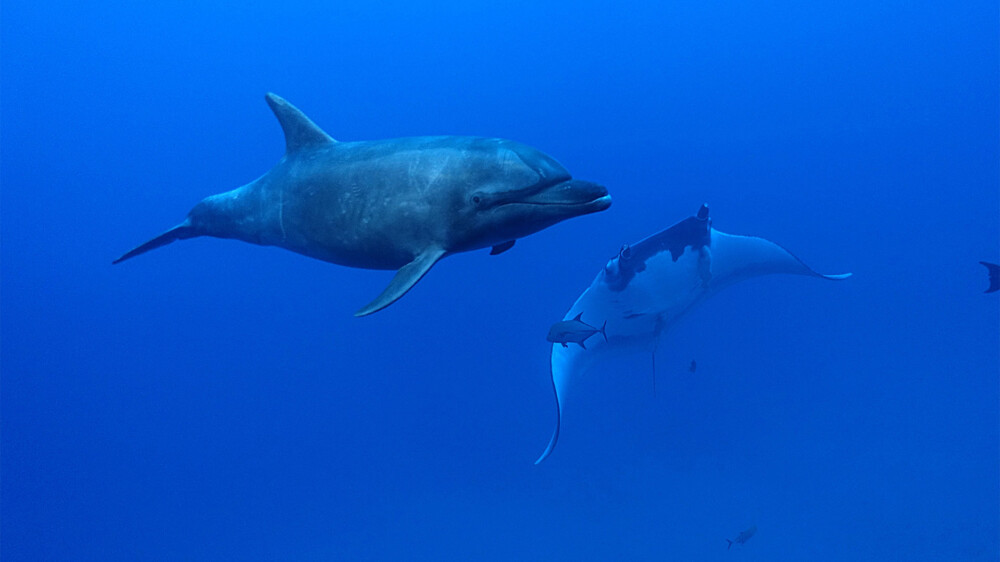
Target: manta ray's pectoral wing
<point x="405" y="279"/>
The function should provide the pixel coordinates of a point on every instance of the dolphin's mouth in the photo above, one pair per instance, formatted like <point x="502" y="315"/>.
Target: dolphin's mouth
<point x="601" y="203"/>
<point x="575" y="194"/>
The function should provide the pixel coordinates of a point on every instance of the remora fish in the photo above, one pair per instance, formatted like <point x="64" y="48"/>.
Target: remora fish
<point x="574" y="331"/>
<point x="652" y="284"/>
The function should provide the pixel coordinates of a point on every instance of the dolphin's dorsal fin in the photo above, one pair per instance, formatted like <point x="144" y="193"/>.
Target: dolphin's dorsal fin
<point x="405" y="279"/>
<point x="579" y="317"/>
<point x="300" y="131"/>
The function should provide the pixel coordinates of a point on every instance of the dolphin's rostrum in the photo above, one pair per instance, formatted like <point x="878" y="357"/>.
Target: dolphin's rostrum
<point x="392" y="204"/>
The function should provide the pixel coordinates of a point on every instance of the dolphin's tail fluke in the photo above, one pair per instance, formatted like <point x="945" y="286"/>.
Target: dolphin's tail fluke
<point x="179" y="232"/>
<point x="604" y="332"/>
<point x="730" y="545"/>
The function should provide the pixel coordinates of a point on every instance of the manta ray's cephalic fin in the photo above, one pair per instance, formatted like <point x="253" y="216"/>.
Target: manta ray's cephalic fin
<point x="300" y="131"/>
<point x="405" y="279"/>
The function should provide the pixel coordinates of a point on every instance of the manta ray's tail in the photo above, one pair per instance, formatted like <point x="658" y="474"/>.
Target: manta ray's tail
<point x="179" y="232"/>
<point x="552" y="442"/>
<point x="555" y="433"/>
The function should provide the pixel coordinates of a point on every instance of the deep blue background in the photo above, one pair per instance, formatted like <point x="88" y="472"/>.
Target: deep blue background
<point x="215" y="400"/>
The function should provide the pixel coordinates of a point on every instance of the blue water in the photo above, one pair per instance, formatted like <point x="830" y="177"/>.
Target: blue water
<point x="214" y="400"/>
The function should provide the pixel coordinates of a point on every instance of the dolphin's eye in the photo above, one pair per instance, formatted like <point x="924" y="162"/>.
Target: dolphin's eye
<point x="477" y="200"/>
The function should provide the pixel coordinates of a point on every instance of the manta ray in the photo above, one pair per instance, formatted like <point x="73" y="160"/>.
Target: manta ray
<point x="649" y="285"/>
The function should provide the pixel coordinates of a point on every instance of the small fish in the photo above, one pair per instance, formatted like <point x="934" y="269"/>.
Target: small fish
<point x="743" y="537"/>
<point x="574" y="331"/>
<point x="994" y="270"/>
<point x="694" y="366"/>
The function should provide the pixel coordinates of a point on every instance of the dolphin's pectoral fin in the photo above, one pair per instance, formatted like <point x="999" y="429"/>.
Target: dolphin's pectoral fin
<point x="179" y="232"/>
<point x="501" y="248"/>
<point x="300" y="131"/>
<point x="405" y="279"/>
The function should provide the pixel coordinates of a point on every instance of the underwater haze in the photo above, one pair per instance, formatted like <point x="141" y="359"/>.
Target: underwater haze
<point x="216" y="400"/>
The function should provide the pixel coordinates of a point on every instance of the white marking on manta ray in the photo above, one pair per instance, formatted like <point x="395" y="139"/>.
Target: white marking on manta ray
<point x="650" y="285"/>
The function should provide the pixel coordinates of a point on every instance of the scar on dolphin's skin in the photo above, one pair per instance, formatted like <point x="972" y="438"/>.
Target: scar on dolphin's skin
<point x="396" y="204"/>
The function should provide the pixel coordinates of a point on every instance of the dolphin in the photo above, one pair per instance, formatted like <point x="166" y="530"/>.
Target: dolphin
<point x="574" y="331"/>
<point x="648" y="286"/>
<point x="743" y="537"/>
<point x="398" y="204"/>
